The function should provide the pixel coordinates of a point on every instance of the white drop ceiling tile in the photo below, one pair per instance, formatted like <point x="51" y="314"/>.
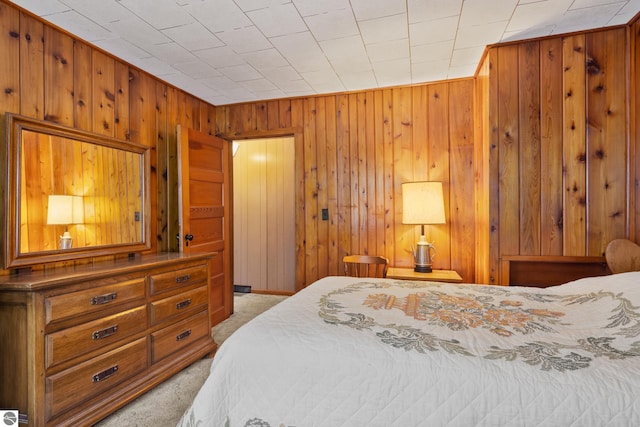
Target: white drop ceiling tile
<point x="325" y="78"/>
<point x="98" y="11"/>
<point x="170" y="53"/>
<point x="467" y="56"/>
<point x="270" y="94"/>
<point x="247" y="39"/>
<point x="154" y="66"/>
<point x="42" y="8"/>
<point x="351" y="64"/>
<point x="429" y="32"/>
<point x="301" y="51"/>
<point x="382" y="29"/>
<point x="281" y="74"/>
<point x="387" y="51"/>
<point x="196" y="69"/>
<point x="578" y="19"/>
<point x="82" y="26"/>
<point x="315" y="7"/>
<point x="393" y="73"/>
<point x="371" y="9"/>
<point x="539" y="14"/>
<point x="218" y="82"/>
<point x="479" y="35"/>
<point x="136" y="31"/>
<point x="248" y="5"/>
<point x="268" y="58"/>
<point x="258" y="85"/>
<point x="461" y="71"/>
<point x="432" y="52"/>
<point x="429" y="10"/>
<point x="122" y="49"/>
<point x="218" y="15"/>
<point x="158" y="13"/>
<point x="582" y="4"/>
<point x="358" y="80"/>
<point x="296" y="86"/>
<point x="428" y="71"/>
<point x="277" y="20"/>
<point x="528" y="33"/>
<point x="239" y="73"/>
<point x="193" y="36"/>
<point x="481" y="12"/>
<point x="220" y="56"/>
<point x="343" y="48"/>
<point x="333" y="24"/>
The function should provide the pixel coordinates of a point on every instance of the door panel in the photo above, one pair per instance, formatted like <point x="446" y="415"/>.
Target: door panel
<point x="204" y="190"/>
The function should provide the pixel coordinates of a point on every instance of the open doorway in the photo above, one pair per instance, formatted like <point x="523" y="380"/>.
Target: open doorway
<point x="264" y="214"/>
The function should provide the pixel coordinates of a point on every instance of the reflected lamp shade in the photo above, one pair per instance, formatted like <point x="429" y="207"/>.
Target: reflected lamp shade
<point x="422" y="203"/>
<point x="65" y="210"/>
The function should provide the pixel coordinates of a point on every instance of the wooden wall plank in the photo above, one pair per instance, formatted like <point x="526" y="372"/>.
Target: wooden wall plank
<point x="31" y="66"/>
<point x="58" y="77"/>
<point x="103" y="80"/>
<point x="529" y="132"/>
<point x="551" y="101"/>
<point x="574" y="143"/>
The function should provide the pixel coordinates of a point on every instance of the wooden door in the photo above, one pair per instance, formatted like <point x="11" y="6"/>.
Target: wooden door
<point x="204" y="192"/>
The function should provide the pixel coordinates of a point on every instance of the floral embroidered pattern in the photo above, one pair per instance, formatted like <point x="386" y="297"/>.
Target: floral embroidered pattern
<point x="509" y="315"/>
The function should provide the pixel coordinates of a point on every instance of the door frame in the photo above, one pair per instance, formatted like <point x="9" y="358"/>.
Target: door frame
<point x="299" y="201"/>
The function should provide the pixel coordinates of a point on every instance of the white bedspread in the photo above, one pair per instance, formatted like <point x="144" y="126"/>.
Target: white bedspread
<point x="381" y="352"/>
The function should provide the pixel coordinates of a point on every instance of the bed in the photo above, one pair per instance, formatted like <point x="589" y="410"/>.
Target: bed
<point x="381" y="352"/>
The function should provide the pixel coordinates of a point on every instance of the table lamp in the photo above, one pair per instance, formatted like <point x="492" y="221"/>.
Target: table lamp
<point x="65" y="210"/>
<point x="423" y="204"/>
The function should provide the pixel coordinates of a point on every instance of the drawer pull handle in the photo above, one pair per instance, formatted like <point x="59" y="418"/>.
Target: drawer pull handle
<point x="103" y="299"/>
<point x="183" y="304"/>
<point x="106" y="332"/>
<point x="182" y="279"/>
<point x="183" y="335"/>
<point x="101" y="376"/>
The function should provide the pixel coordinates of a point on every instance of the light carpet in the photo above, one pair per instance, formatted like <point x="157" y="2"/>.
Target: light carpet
<point x="165" y="404"/>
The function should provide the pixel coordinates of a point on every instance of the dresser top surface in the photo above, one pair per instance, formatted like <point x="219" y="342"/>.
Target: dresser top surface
<point x="41" y="279"/>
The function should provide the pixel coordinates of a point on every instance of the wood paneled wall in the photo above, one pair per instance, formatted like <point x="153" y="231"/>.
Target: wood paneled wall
<point x="48" y="74"/>
<point x="556" y="147"/>
<point x="353" y="152"/>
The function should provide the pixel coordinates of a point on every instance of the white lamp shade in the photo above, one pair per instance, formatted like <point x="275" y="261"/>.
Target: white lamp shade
<point x="65" y="210"/>
<point x="422" y="203"/>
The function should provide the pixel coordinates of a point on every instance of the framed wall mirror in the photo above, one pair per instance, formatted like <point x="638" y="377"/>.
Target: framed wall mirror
<point x="71" y="194"/>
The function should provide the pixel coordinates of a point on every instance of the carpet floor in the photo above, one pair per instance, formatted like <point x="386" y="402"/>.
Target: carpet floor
<point x="164" y="405"/>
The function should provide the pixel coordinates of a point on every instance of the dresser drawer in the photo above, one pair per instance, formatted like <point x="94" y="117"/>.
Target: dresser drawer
<point x="179" y="278"/>
<point x="78" y="340"/>
<point x="63" y="306"/>
<point x="181" y="303"/>
<point x="86" y="380"/>
<point x="176" y="337"/>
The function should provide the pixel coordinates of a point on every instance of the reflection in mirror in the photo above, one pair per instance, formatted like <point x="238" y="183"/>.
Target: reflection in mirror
<point x="105" y="180"/>
<point x="70" y="194"/>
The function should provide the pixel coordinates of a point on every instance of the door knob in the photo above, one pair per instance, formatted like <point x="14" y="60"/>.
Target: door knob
<point x="188" y="238"/>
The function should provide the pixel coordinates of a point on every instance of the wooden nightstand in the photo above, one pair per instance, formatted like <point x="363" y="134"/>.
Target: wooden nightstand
<point x="435" y="276"/>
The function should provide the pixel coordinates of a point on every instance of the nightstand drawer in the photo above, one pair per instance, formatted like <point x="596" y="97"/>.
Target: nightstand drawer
<point x="175" y="279"/>
<point x="78" y="340"/>
<point x="63" y="306"/>
<point x="95" y="376"/>
<point x="181" y="303"/>
<point x="174" y="338"/>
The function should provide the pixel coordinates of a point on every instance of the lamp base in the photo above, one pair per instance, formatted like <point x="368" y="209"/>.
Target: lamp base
<point x="422" y="269"/>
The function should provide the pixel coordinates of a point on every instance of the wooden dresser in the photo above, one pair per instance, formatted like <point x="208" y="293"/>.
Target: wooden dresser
<point x="78" y="343"/>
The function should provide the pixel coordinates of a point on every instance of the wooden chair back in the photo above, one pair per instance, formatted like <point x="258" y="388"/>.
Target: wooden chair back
<point x="365" y="266"/>
<point x="622" y="255"/>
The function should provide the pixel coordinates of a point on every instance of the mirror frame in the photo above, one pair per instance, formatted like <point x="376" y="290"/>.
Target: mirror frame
<point x="11" y="159"/>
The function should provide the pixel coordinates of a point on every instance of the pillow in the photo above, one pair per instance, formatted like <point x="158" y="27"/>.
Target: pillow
<point x="622" y="255"/>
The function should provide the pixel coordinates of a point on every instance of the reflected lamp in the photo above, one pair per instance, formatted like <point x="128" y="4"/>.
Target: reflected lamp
<point x="65" y="210"/>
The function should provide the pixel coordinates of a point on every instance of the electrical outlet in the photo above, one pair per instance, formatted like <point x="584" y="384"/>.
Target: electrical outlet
<point x="325" y="214"/>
